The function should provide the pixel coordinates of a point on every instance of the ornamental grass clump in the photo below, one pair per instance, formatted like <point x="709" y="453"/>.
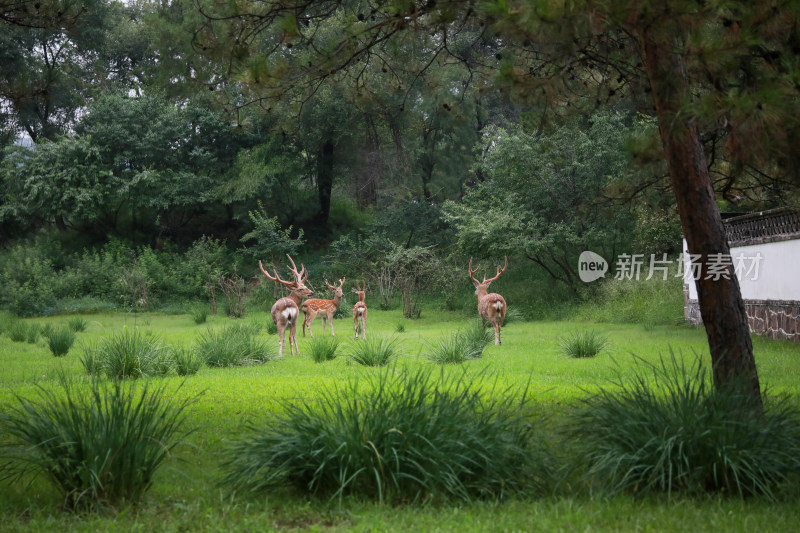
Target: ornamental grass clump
<point x="668" y="429"/>
<point x="131" y="354"/>
<point x="400" y="436"/>
<point x="462" y="346"/>
<point x="323" y="349"/>
<point x="186" y="362"/>
<point x="78" y="324"/>
<point x="99" y="444"/>
<point x="60" y="340"/>
<point x="234" y="345"/>
<point x="582" y="344"/>
<point x="374" y="351"/>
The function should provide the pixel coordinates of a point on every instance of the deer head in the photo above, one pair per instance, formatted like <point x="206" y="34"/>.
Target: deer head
<point x="361" y="291"/>
<point x="298" y="285"/>
<point x="337" y="290"/>
<point x="483" y="285"/>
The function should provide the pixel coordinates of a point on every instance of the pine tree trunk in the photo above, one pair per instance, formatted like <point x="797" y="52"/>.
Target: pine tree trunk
<point x="720" y="300"/>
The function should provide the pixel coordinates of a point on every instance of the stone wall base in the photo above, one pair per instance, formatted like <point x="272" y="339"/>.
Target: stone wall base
<point x="776" y="319"/>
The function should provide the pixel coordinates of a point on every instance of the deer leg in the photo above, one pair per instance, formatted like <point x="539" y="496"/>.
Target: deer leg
<point x="496" y="331"/>
<point x="281" y="332"/>
<point x="364" y="324"/>
<point x="330" y="317"/>
<point x="355" y="326"/>
<point x="293" y="339"/>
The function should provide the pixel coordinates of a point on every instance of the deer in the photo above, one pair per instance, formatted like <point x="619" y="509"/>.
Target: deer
<point x="286" y="310"/>
<point x="491" y="306"/>
<point x="360" y="312"/>
<point x="326" y="308"/>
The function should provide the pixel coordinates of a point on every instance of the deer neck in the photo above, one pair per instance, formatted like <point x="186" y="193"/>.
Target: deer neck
<point x="337" y="299"/>
<point x="296" y="298"/>
<point x="482" y="292"/>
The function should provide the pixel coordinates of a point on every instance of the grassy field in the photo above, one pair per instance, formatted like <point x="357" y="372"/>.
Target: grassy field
<point x="184" y="496"/>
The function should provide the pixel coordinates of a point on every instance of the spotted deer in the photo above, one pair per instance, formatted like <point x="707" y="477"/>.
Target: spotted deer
<point x="286" y="311"/>
<point x="360" y="312"/>
<point x="325" y="308"/>
<point x="491" y="306"/>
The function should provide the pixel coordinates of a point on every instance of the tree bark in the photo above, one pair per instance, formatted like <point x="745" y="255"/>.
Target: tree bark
<point x="720" y="300"/>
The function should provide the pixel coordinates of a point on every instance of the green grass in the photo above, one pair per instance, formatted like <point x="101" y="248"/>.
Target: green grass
<point x="581" y="344"/>
<point x="182" y="495"/>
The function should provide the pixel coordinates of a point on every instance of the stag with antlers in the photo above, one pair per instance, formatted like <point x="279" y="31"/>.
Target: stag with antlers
<point x="286" y="311"/>
<point x="360" y="311"/>
<point x="491" y="306"/>
<point x="325" y="308"/>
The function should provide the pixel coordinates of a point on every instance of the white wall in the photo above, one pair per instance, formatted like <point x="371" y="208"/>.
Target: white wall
<point x="778" y="271"/>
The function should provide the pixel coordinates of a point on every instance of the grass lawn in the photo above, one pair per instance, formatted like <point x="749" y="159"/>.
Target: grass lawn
<point x="184" y="496"/>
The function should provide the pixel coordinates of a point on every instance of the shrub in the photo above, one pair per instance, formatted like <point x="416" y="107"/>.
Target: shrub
<point x="272" y="328"/>
<point x="132" y="355"/>
<point x="400" y="327"/>
<point x="323" y="348"/>
<point x="421" y="437"/>
<point x="374" y="351"/>
<point x="186" y="363"/>
<point x="580" y="344"/>
<point x="668" y="429"/>
<point x="60" y="340"/>
<point x="235" y="345"/>
<point x="97" y="445"/>
<point x="77" y="324"/>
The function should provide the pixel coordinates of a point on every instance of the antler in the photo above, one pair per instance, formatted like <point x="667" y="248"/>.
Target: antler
<point x="277" y="276"/>
<point x="298" y="276"/>
<point x="472" y="272"/>
<point x="358" y="288"/>
<point x="499" y="273"/>
<point x="334" y="287"/>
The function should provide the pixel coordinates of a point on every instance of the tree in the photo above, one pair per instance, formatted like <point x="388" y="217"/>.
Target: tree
<point x="543" y="195"/>
<point x="659" y="52"/>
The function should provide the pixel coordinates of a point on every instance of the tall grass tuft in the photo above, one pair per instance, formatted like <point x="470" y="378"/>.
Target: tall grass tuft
<point x="423" y="436"/>
<point x="582" y="344"/>
<point x="92" y="361"/>
<point x="513" y="316"/>
<point x="17" y="331"/>
<point x="186" y="362"/>
<point x="77" y="324"/>
<point x="131" y="354"/>
<point x="272" y="328"/>
<point x="668" y="429"/>
<point x="374" y="351"/>
<point x="60" y="340"/>
<point x="323" y="349"/>
<point x="99" y="445"/>
<point x="235" y="345"/>
<point x="199" y="313"/>
<point x="462" y="346"/>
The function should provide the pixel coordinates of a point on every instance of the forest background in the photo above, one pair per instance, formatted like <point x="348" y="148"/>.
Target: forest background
<point x="141" y="172"/>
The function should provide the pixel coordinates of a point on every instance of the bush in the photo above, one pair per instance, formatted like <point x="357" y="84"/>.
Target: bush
<point x="100" y="445"/>
<point x="235" y="345"/>
<point x="186" y="363"/>
<point x="323" y="348"/>
<point x="420" y="438"/>
<point x="60" y="340"/>
<point x="132" y="355"/>
<point x="677" y="432"/>
<point x="580" y="344"/>
<point x="374" y="351"/>
<point x="650" y="302"/>
<point x="77" y="324"/>
<point x="400" y="327"/>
